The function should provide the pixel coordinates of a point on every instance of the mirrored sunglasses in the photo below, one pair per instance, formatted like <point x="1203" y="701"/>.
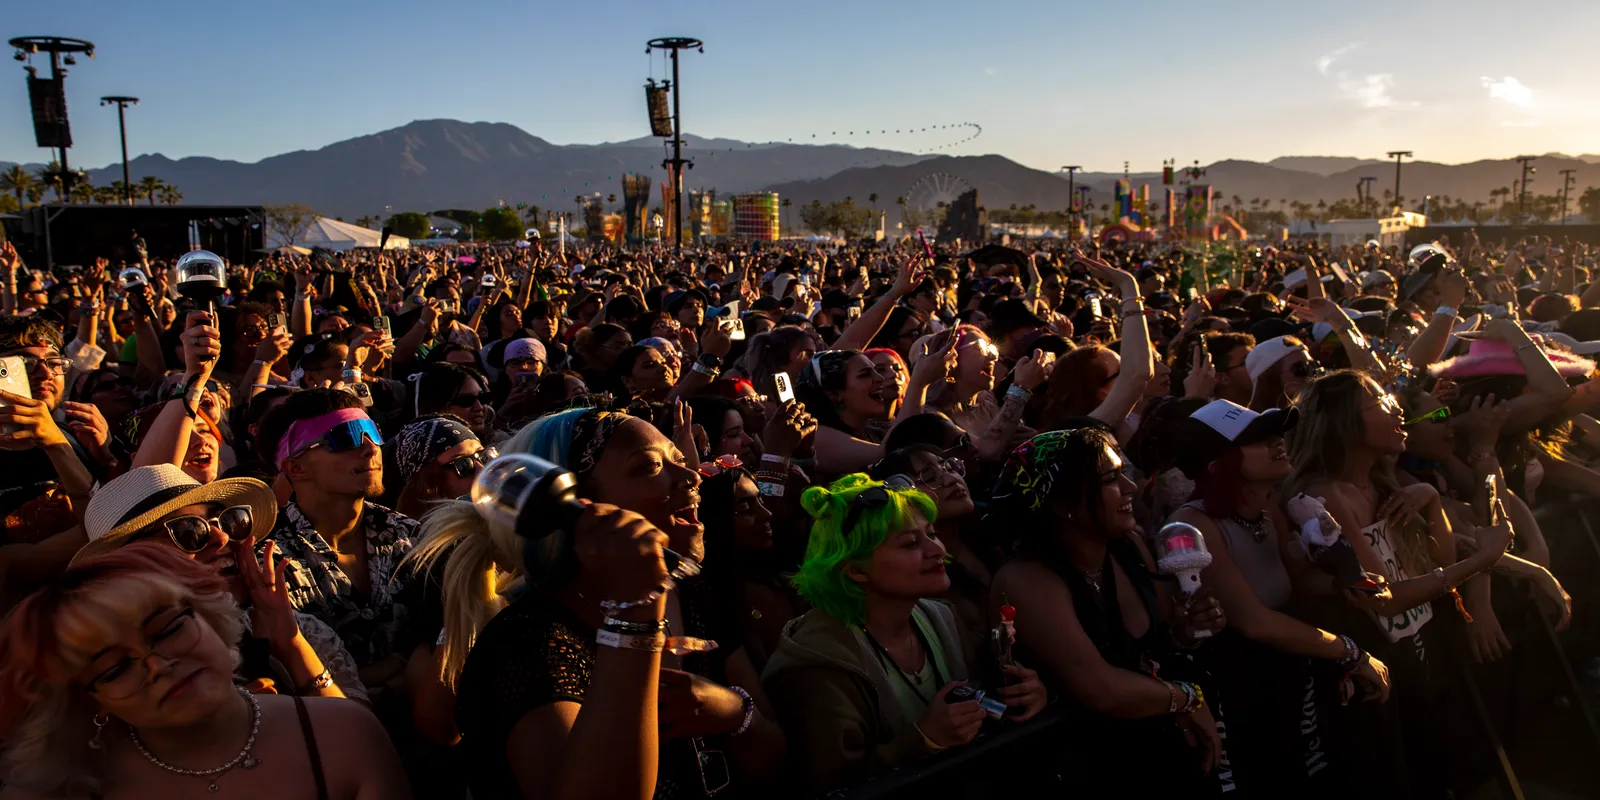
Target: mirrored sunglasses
<point x="192" y="532"/>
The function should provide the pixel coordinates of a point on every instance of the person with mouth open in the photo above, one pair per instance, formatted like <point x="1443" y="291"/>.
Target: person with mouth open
<point x="344" y="549"/>
<point x="863" y="681"/>
<point x="218" y="524"/>
<point x="118" y="681"/>
<point x="1266" y="662"/>
<point x="1088" y="608"/>
<point x="540" y="679"/>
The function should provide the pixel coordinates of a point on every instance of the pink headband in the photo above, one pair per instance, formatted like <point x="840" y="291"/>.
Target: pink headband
<point x="306" y="432"/>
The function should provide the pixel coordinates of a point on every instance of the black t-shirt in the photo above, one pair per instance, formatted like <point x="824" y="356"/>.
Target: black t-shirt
<point x="537" y="652"/>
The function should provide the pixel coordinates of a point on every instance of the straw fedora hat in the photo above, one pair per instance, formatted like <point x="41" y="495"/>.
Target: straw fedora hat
<point x="137" y="499"/>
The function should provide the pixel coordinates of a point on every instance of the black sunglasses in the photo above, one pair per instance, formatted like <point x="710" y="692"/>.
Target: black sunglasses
<point x="468" y="465"/>
<point x="466" y="400"/>
<point x="875" y="498"/>
<point x="1305" y="369"/>
<point x="106" y="386"/>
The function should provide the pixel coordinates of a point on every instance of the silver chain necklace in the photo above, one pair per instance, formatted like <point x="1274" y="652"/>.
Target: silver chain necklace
<point x="244" y="759"/>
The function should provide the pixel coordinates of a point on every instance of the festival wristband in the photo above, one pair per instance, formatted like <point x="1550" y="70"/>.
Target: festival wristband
<point x="1018" y="392"/>
<point x="770" y="489"/>
<point x="1448" y="311"/>
<point x="635" y="628"/>
<point x="653" y="643"/>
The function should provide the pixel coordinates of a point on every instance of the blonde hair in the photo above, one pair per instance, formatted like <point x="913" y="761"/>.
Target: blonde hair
<point x="1320" y="445"/>
<point x="480" y="563"/>
<point x="53" y="634"/>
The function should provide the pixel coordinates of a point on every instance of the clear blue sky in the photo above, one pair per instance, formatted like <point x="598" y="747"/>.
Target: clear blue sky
<point x="1052" y="82"/>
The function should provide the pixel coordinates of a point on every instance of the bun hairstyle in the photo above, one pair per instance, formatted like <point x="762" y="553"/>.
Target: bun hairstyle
<point x="821" y="579"/>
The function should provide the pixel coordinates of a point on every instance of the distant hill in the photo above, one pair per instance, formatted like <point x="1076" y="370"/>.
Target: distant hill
<point x="440" y="163"/>
<point x="433" y="164"/>
<point x="1321" y="165"/>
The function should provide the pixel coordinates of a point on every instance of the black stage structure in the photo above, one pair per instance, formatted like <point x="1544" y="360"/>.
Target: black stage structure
<point x="51" y="235"/>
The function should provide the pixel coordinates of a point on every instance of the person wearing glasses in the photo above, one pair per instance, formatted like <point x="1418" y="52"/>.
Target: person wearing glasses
<point x="1279" y="369"/>
<point x="44" y="466"/>
<point x="218" y="524"/>
<point x="434" y="458"/>
<point x="1344" y="450"/>
<point x="549" y="698"/>
<point x="970" y="567"/>
<point x="863" y="681"/>
<point x="343" y="549"/>
<point x="119" y="682"/>
<point x="462" y="392"/>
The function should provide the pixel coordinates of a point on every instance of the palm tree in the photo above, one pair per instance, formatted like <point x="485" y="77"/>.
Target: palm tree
<point x="785" y="203"/>
<point x="49" y="177"/>
<point x="19" y="182"/>
<point x="367" y="221"/>
<point x="82" y="193"/>
<point x="169" y="195"/>
<point x="148" y="186"/>
<point x="107" y="195"/>
<point x="873" y="199"/>
<point x="122" y="191"/>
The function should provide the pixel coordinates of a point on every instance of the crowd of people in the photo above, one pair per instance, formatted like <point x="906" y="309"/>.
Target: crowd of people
<point x="834" y="511"/>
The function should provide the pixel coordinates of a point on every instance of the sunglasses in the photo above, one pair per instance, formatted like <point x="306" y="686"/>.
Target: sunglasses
<point x="1305" y="369"/>
<point x="192" y="532"/>
<point x="468" y="465"/>
<point x="875" y="498"/>
<point x="466" y="400"/>
<point x="106" y="386"/>
<point x="1436" y="416"/>
<point x="934" y="475"/>
<point x="348" y="436"/>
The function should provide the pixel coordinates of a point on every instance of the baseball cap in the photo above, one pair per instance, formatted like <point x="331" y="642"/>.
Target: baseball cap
<point x="1222" y="425"/>
<point x="675" y="301"/>
<point x="1009" y="315"/>
<point x="1268" y="353"/>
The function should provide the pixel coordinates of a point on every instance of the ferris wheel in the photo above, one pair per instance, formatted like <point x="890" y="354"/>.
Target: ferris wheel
<point x="936" y="190"/>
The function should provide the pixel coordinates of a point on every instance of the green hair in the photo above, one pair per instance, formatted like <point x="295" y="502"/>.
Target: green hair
<point x="821" y="579"/>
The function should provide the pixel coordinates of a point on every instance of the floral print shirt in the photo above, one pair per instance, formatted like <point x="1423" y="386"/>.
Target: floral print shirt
<point x="370" y="626"/>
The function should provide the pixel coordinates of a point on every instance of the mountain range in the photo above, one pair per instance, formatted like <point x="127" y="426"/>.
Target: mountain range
<point x="439" y="164"/>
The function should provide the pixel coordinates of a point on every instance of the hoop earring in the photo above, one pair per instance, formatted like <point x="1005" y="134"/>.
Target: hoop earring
<point x="101" y="720"/>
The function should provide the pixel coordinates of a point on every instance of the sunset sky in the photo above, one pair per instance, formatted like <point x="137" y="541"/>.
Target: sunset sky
<point x="1051" y="83"/>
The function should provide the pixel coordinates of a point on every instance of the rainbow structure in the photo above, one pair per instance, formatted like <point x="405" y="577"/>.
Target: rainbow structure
<point x="755" y="216"/>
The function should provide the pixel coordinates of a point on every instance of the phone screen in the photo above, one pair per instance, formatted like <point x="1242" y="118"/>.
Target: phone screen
<point x="780" y="380"/>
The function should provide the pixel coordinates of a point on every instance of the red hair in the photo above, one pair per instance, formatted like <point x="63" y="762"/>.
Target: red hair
<point x="887" y="352"/>
<point x="1219" y="487"/>
<point x="728" y="388"/>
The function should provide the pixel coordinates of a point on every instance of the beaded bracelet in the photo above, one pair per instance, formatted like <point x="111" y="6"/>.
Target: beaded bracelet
<point x="623" y="605"/>
<point x="749" y="709"/>
<point x="1352" y="653"/>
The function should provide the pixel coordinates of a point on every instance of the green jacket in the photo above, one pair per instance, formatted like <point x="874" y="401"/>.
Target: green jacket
<point x="836" y="704"/>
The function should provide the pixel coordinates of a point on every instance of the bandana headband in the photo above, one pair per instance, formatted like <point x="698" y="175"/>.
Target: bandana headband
<point x="424" y="440"/>
<point x="304" y="433"/>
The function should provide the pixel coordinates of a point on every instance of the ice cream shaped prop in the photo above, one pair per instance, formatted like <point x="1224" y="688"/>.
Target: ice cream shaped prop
<point x="1324" y="542"/>
<point x="1181" y="552"/>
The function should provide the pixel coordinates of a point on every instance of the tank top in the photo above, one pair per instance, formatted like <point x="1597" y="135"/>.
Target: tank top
<point x="1261" y="563"/>
<point x="1409" y="622"/>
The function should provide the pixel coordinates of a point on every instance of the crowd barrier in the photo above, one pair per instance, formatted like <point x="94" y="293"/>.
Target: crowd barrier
<point x="1537" y="733"/>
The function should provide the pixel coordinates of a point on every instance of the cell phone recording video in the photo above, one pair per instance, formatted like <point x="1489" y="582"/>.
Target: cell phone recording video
<point x="780" y="380"/>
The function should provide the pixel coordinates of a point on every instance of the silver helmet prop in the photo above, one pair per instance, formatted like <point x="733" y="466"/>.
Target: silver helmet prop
<point x="201" y="276"/>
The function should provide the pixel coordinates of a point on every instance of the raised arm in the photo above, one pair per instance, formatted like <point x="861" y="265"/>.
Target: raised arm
<point x="861" y="332"/>
<point x="1137" y="363"/>
<point x="1430" y="344"/>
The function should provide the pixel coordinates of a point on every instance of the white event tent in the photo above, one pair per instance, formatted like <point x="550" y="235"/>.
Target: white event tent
<point x="331" y="234"/>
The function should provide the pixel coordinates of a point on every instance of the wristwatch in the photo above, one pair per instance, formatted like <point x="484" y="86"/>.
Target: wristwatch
<point x="709" y="361"/>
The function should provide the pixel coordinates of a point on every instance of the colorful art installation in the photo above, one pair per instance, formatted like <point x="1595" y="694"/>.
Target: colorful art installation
<point x="1197" y="210"/>
<point x="755" y="216"/>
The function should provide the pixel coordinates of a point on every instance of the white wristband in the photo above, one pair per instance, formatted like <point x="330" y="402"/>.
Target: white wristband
<point x="1447" y="311"/>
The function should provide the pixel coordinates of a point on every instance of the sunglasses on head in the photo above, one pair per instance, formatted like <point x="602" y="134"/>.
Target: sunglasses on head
<point x="468" y="465"/>
<point x="192" y="532"/>
<point x="348" y="436"/>
<point x="1438" y="415"/>
<point x="875" y="498"/>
